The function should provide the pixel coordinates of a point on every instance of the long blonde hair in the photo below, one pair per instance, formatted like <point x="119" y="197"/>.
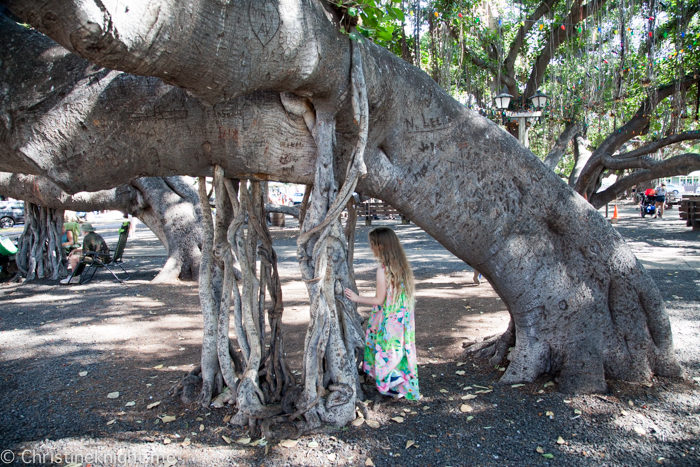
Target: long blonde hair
<point x="386" y="247"/>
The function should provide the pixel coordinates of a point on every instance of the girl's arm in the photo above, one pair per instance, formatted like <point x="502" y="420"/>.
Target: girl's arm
<point x="379" y="295"/>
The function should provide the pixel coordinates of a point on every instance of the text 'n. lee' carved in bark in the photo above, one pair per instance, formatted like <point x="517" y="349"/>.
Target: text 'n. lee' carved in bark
<point x="427" y="123"/>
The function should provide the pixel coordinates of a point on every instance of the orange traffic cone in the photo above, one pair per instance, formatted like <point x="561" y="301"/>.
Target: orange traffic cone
<point x="614" y="218"/>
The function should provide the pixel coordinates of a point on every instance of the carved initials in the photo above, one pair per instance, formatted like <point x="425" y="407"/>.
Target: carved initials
<point x="264" y="19"/>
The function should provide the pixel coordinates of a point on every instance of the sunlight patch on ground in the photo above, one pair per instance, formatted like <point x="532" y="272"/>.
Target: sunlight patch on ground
<point x="143" y="302"/>
<point x="40" y="298"/>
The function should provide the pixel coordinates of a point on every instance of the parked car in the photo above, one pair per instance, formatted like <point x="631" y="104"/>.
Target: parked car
<point x="11" y="213"/>
<point x="674" y="194"/>
<point x="676" y="190"/>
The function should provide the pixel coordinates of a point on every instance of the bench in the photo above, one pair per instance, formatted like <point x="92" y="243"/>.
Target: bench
<point x="689" y="210"/>
<point x="373" y="209"/>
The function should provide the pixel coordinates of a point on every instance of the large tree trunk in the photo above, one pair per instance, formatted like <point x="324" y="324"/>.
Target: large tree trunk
<point x="166" y="205"/>
<point x="173" y="213"/>
<point x="582" y="305"/>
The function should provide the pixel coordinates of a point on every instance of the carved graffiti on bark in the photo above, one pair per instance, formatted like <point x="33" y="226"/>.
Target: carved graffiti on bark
<point x="264" y="19"/>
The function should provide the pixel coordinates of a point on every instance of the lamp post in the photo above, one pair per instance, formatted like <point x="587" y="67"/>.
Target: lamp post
<point x="539" y="100"/>
<point x="502" y="100"/>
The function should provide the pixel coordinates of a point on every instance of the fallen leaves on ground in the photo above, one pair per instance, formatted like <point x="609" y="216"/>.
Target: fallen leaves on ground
<point x="369" y="463"/>
<point x="155" y="404"/>
<point x="469" y="397"/>
<point x="464" y="408"/>
<point x="560" y="440"/>
<point x="158" y="367"/>
<point x="226" y="438"/>
<point x="243" y="441"/>
<point x="83" y="373"/>
<point x="168" y="418"/>
<point x="358" y="421"/>
<point x="398" y="419"/>
<point x="409" y="443"/>
<point x="372" y="423"/>
<point x="130" y="404"/>
<point x="113" y="395"/>
<point x="288" y="443"/>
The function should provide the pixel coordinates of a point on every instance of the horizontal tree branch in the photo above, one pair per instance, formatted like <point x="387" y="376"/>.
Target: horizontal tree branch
<point x="636" y="126"/>
<point x="290" y="210"/>
<point x="682" y="164"/>
<point x="658" y="144"/>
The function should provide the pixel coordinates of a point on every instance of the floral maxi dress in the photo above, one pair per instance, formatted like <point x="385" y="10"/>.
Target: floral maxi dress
<point x="390" y="347"/>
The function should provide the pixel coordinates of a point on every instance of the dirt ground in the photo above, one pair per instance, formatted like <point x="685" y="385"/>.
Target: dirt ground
<point x="66" y="351"/>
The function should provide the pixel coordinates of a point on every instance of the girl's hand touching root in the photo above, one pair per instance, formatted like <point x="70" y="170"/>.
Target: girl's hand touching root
<point x="351" y="295"/>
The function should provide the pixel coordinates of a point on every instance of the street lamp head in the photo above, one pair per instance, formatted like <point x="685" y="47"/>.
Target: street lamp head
<point x="502" y="100"/>
<point x="539" y="100"/>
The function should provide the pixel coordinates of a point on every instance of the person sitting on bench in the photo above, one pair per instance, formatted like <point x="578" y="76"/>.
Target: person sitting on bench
<point x="91" y="242"/>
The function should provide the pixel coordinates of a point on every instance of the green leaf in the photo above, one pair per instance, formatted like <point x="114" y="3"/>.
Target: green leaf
<point x="548" y="456"/>
<point x="352" y="11"/>
<point x="385" y="36"/>
<point x="355" y="37"/>
<point x="399" y="14"/>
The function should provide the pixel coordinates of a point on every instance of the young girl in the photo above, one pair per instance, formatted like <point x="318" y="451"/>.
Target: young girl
<point x="390" y="343"/>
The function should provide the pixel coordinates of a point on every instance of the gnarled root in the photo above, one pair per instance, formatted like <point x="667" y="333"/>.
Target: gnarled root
<point x="494" y="348"/>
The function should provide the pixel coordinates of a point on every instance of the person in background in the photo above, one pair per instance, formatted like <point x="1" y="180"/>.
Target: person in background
<point x="660" y="200"/>
<point x="92" y="242"/>
<point x="67" y="239"/>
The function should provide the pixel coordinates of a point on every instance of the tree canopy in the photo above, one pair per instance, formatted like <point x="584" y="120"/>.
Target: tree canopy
<point x="604" y="64"/>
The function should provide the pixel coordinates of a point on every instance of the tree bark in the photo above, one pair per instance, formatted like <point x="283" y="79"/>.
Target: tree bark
<point x="582" y="305"/>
